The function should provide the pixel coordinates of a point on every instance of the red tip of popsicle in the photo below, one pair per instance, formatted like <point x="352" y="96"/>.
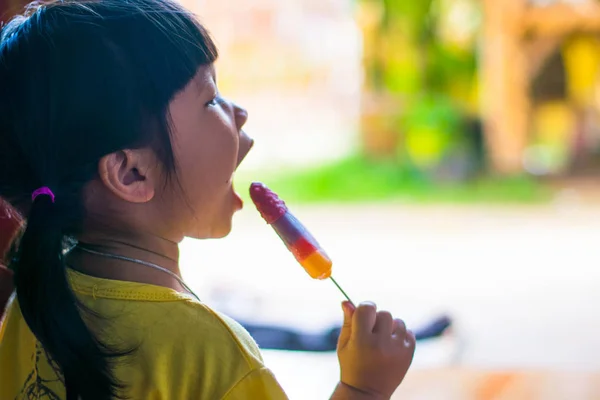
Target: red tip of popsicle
<point x="270" y="206"/>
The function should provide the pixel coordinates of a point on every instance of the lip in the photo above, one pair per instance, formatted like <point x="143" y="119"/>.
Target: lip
<point x="238" y="203"/>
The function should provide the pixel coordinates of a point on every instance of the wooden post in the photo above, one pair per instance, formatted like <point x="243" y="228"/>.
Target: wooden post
<point x="378" y="130"/>
<point x="561" y="19"/>
<point x="505" y="85"/>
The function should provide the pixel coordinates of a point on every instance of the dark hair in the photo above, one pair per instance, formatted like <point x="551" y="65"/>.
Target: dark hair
<point x="80" y="80"/>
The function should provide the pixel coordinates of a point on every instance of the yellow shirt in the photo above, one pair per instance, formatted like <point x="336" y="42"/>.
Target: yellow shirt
<point x="186" y="350"/>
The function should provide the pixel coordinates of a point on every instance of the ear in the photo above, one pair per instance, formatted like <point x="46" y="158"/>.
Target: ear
<point x="130" y="174"/>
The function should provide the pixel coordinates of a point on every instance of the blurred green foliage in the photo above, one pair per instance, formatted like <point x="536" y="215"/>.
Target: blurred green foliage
<point x="434" y="79"/>
<point x="432" y="127"/>
<point x="432" y="76"/>
<point x="424" y="61"/>
<point x="355" y="179"/>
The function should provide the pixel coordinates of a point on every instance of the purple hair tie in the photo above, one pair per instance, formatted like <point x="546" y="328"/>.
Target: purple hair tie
<point x="43" y="191"/>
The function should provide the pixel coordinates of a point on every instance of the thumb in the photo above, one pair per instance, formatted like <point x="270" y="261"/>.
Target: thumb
<point x="346" y="330"/>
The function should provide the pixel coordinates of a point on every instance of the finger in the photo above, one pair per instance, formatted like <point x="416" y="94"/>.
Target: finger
<point x="399" y="329"/>
<point x="346" y="330"/>
<point x="384" y="323"/>
<point x="364" y="319"/>
<point x="349" y="310"/>
<point x="410" y="341"/>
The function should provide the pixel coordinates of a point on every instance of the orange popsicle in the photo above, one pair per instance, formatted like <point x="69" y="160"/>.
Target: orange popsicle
<point x="305" y="248"/>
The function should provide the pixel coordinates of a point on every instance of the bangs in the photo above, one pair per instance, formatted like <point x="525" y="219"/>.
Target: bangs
<point x="98" y="75"/>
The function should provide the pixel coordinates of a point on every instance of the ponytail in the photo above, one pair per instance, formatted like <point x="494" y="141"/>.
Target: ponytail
<point x="56" y="124"/>
<point x="52" y="311"/>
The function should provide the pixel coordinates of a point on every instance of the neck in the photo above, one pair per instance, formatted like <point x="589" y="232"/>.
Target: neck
<point x="148" y="248"/>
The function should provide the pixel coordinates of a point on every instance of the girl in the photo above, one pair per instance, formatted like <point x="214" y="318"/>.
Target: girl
<point x="116" y="144"/>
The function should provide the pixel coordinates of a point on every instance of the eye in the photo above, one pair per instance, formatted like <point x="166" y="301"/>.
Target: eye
<point x="215" y="101"/>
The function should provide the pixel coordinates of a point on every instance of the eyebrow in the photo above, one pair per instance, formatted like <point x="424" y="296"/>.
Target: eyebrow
<point x="204" y="82"/>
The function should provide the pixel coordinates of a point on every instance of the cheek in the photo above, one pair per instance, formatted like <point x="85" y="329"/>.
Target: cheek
<point x="206" y="151"/>
<point x="205" y="168"/>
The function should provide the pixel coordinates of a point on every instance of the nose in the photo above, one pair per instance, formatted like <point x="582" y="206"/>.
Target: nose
<point x="241" y="116"/>
<point x="246" y="142"/>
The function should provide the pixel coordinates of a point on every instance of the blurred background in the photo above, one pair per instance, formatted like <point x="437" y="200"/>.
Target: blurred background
<point x="446" y="154"/>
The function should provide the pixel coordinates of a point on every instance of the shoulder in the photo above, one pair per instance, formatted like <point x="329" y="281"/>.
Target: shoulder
<point x="197" y="327"/>
<point x="188" y="350"/>
<point x="244" y="339"/>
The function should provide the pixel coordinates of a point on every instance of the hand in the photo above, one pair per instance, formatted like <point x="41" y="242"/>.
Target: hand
<point x="375" y="351"/>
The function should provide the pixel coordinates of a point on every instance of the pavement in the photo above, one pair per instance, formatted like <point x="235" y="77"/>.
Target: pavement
<point x="521" y="283"/>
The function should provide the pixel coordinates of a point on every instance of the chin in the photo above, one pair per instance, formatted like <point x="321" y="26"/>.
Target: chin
<point x="218" y="229"/>
<point x="222" y="227"/>
<point x="215" y="233"/>
<point x="221" y="233"/>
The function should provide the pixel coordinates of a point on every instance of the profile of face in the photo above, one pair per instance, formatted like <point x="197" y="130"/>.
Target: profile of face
<point x="208" y="144"/>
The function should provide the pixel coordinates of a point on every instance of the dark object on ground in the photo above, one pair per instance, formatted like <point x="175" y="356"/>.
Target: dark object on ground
<point x="280" y="338"/>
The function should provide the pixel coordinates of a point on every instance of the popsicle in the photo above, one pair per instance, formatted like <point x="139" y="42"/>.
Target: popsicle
<point x="305" y="248"/>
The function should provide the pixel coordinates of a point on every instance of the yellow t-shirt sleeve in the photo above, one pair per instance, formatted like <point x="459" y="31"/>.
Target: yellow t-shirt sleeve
<point x="258" y="384"/>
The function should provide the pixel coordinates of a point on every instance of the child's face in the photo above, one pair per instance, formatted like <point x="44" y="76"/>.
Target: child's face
<point x="208" y="145"/>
